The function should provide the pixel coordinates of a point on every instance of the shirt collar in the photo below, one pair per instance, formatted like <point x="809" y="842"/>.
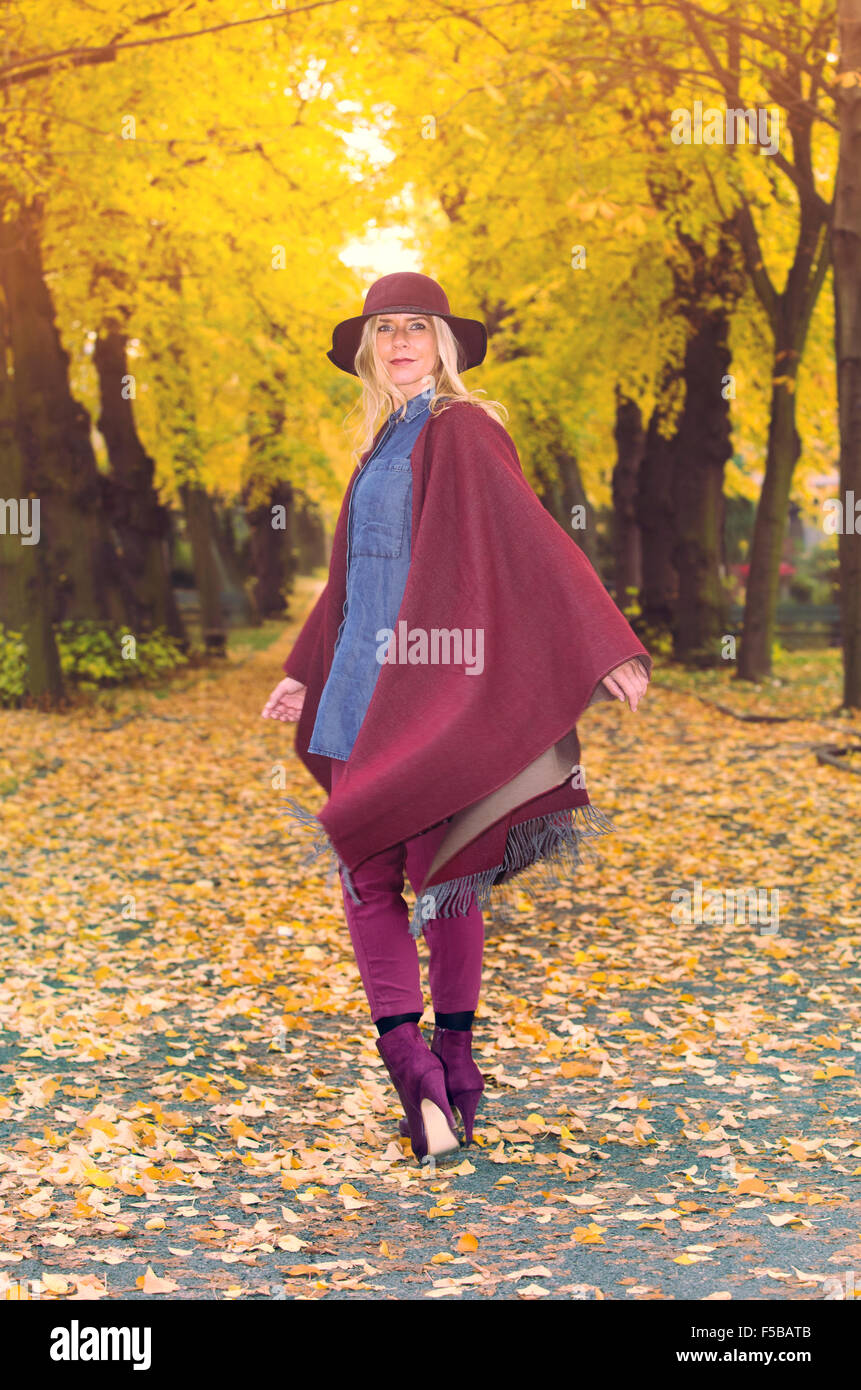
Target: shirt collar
<point x="414" y="407"/>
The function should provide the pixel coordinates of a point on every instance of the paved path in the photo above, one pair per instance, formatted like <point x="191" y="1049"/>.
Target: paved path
<point x="190" y="1089"/>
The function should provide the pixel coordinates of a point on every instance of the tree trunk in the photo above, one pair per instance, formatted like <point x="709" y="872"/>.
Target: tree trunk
<point x="702" y="448"/>
<point x="574" y="495"/>
<point x="707" y="286"/>
<point x="769" y="529"/>
<point x="84" y="570"/>
<point x="25" y="605"/>
<point x="199" y="523"/>
<point x="655" y="517"/>
<point x="627" y="549"/>
<point x="234" y="594"/>
<point x="563" y="491"/>
<point x="310" y="550"/>
<point x="272" y="551"/>
<point x="140" y="521"/>
<point x="846" y="243"/>
<point x="271" y="547"/>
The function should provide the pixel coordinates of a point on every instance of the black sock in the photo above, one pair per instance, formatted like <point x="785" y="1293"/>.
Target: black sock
<point x="385" y="1025"/>
<point x="461" y="1023"/>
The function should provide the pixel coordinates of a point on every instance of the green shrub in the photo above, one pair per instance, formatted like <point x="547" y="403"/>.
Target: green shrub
<point x="13" y="666"/>
<point x="91" y="653"/>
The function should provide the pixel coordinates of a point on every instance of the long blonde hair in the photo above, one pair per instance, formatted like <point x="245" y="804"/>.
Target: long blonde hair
<point x="379" y="393"/>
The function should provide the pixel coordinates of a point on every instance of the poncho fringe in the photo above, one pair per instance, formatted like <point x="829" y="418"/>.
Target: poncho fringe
<point x="548" y="844"/>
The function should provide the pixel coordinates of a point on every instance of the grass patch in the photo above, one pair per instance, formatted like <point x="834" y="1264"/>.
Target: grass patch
<point x="804" y="682"/>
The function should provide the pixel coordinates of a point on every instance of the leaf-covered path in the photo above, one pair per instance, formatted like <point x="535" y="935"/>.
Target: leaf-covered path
<point x="192" y="1105"/>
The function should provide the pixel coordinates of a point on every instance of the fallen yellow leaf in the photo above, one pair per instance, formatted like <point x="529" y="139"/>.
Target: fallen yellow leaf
<point x="55" y="1283"/>
<point x="152" y="1283"/>
<point x="589" y="1235"/>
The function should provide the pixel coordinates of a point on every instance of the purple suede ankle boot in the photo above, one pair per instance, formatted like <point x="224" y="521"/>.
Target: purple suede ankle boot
<point x="464" y="1082"/>
<point x="419" y="1079"/>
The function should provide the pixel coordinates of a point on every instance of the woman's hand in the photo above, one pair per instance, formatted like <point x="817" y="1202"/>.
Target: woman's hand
<point x="629" y="680"/>
<point x="286" y="701"/>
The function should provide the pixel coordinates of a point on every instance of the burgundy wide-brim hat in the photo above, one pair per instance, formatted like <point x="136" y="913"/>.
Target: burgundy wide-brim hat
<point x="408" y="293"/>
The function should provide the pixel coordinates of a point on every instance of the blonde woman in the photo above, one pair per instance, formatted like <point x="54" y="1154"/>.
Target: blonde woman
<point x="436" y="687"/>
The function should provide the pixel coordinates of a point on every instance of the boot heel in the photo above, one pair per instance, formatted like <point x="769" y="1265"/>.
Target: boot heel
<point x="436" y="1116"/>
<point x="441" y="1139"/>
<point x="404" y="1129"/>
<point x="467" y="1104"/>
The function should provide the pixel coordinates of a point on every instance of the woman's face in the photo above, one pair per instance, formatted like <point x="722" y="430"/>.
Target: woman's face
<point x="406" y="348"/>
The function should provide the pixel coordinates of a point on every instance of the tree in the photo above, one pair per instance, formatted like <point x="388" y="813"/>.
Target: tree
<point x="140" y="521"/>
<point x="53" y="432"/>
<point x="25" y="604"/>
<point x="627" y="543"/>
<point x="707" y="287"/>
<point x="846" y="241"/>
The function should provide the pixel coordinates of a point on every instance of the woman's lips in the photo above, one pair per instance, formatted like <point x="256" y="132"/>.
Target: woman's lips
<point x="402" y="361"/>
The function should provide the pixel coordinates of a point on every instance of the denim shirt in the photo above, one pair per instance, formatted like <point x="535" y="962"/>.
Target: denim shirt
<point x="378" y="560"/>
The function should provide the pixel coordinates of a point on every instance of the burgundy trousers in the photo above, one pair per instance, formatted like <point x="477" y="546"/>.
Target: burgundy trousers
<point x="386" y="954"/>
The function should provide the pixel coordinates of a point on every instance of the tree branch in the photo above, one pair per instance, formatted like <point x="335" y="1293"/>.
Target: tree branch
<point x="752" y="252"/>
<point x="42" y="64"/>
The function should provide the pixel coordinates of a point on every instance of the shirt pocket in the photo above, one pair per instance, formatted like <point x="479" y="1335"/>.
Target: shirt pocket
<point x="383" y="509"/>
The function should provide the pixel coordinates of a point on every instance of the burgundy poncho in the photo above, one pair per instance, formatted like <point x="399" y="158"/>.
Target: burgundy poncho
<point x="493" y="753"/>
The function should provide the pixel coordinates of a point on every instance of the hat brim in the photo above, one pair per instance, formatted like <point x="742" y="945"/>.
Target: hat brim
<point x="470" y="334"/>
